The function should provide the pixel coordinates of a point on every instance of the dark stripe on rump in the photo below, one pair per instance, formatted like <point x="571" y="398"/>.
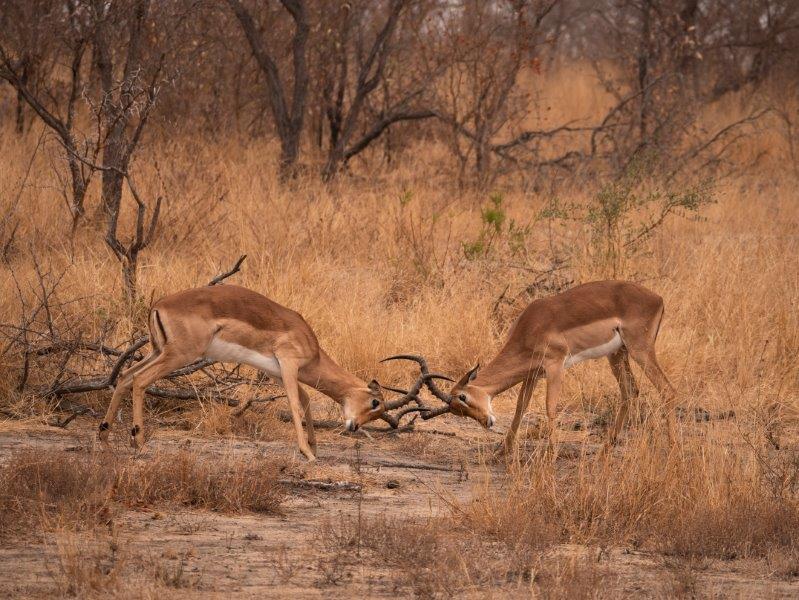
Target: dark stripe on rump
<point x="160" y="325"/>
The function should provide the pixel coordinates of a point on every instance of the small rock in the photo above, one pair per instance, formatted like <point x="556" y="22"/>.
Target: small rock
<point x="392" y="484"/>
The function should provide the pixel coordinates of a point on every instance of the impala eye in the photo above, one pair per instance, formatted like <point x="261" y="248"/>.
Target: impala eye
<point x="375" y="403"/>
<point x="462" y="398"/>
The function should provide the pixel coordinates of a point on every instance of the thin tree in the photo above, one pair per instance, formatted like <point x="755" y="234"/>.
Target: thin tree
<point x="288" y="112"/>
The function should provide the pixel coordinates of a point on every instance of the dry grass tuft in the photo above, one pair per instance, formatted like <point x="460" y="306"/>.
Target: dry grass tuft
<point x="85" y="569"/>
<point x="50" y="488"/>
<point x="45" y="487"/>
<point x="104" y="566"/>
<point x="437" y="556"/>
<point x="691" y="501"/>
<point x="229" y="485"/>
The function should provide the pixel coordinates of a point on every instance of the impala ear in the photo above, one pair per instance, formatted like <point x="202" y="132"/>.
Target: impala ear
<point x="469" y="376"/>
<point x="473" y="373"/>
<point x="374" y="386"/>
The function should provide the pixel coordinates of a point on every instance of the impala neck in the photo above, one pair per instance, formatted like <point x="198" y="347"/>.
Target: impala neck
<point x="507" y="368"/>
<point x="329" y="378"/>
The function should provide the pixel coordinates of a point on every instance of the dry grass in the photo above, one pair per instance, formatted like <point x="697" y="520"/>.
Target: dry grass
<point x="692" y="501"/>
<point x="437" y="556"/>
<point x="103" y="566"/>
<point x="53" y="489"/>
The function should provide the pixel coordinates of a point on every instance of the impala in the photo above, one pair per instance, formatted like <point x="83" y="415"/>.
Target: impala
<point x="228" y="323"/>
<point x="613" y="319"/>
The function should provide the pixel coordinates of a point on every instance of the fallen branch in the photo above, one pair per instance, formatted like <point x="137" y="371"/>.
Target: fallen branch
<point x="241" y="409"/>
<point x="72" y="416"/>
<point x="407" y="465"/>
<point x="286" y="417"/>
<point x="327" y="486"/>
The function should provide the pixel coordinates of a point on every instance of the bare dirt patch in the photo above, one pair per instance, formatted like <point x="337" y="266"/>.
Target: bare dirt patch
<point x="389" y="516"/>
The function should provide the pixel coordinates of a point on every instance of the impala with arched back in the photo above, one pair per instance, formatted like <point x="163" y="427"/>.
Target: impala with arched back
<point x="228" y="323"/>
<point x="614" y="319"/>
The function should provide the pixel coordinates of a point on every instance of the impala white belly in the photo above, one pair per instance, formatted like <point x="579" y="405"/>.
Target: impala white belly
<point x="229" y="352"/>
<point x="596" y="352"/>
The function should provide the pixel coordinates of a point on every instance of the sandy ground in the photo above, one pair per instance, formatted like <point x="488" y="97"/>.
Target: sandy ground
<point x="214" y="555"/>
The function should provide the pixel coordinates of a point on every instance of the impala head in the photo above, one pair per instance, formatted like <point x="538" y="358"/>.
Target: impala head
<point x="468" y="400"/>
<point x="363" y="405"/>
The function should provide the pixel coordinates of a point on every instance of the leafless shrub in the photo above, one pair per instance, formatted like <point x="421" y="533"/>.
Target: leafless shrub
<point x="104" y="566"/>
<point x="684" y="578"/>
<point x="424" y="555"/>
<point x="784" y="562"/>
<point x="57" y="356"/>
<point x="174" y="575"/>
<point x="286" y="567"/>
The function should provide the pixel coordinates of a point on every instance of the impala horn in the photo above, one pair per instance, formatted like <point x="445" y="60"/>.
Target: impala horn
<point x="425" y="378"/>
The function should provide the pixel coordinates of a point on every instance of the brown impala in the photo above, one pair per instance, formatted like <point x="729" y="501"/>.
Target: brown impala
<point x="613" y="319"/>
<point x="228" y="323"/>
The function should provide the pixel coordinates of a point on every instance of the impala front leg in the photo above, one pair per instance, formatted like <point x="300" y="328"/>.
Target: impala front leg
<point x="525" y="393"/>
<point x="288" y="371"/>
<point x="123" y="386"/>
<point x="306" y="409"/>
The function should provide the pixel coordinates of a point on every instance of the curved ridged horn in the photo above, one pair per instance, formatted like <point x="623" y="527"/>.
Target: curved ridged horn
<point x="427" y="378"/>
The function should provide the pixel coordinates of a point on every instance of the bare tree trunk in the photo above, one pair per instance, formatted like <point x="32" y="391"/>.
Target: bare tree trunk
<point x="643" y="68"/>
<point x="20" y="120"/>
<point x="116" y="104"/>
<point x="288" y="120"/>
<point x="114" y="123"/>
<point x="482" y="155"/>
<point x="370" y="75"/>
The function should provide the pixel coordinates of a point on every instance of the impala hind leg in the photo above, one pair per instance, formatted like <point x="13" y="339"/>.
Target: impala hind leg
<point x="620" y="365"/>
<point x="647" y="360"/>
<point x="123" y="386"/>
<point x="523" y="401"/>
<point x="305" y="401"/>
<point x="159" y="367"/>
<point x="554" y="374"/>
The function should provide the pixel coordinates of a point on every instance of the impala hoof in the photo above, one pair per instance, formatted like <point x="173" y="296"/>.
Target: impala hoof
<point x="136" y="437"/>
<point x="102" y="432"/>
